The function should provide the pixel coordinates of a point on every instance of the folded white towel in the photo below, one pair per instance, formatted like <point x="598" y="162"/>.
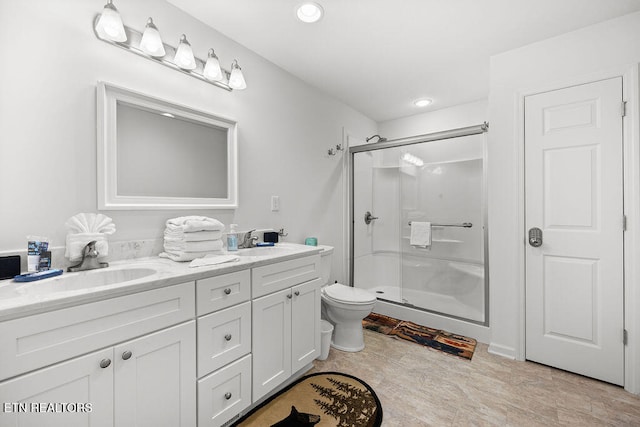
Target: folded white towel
<point x="189" y="224"/>
<point x="212" y="259"/>
<point x="420" y="234"/>
<point x="183" y="256"/>
<point x="196" y="236"/>
<point x="179" y="245"/>
<point x="90" y="223"/>
<point x="77" y="241"/>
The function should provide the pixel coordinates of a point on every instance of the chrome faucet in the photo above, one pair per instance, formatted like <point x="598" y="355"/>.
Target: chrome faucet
<point x="89" y="259"/>
<point x="248" y="241"/>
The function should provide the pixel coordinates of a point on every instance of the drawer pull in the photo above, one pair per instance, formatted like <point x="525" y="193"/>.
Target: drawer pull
<point x="227" y="395"/>
<point x="227" y="291"/>
<point x="104" y="363"/>
<point x="297" y="293"/>
<point x="227" y="337"/>
<point x="126" y="355"/>
<point x="289" y="296"/>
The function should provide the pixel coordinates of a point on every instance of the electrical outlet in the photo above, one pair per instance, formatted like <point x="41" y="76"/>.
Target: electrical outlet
<point x="275" y="203"/>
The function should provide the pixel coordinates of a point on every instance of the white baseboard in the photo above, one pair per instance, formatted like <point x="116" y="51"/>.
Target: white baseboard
<point x="501" y="350"/>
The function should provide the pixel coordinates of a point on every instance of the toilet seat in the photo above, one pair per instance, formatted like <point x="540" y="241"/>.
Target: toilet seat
<point x="349" y="295"/>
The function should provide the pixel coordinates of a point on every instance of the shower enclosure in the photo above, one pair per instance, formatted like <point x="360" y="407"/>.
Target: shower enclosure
<point x="437" y="178"/>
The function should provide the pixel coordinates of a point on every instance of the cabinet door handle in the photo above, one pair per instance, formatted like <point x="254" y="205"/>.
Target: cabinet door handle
<point x="227" y="291"/>
<point x="227" y="337"/>
<point x="126" y="355"/>
<point x="227" y="395"/>
<point x="289" y="296"/>
<point x="104" y="363"/>
<point x="297" y="293"/>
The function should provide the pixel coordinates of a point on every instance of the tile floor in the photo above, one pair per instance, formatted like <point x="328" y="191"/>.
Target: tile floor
<point x="422" y="387"/>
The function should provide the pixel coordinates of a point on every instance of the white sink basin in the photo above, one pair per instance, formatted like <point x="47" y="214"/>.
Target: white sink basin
<point x="265" y="251"/>
<point x="77" y="281"/>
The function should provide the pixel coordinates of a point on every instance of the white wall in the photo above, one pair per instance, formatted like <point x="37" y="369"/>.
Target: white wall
<point x="596" y="52"/>
<point x="51" y="63"/>
<point x="471" y="114"/>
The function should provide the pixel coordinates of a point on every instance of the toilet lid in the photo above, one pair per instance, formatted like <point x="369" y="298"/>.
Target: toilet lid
<point x="341" y="292"/>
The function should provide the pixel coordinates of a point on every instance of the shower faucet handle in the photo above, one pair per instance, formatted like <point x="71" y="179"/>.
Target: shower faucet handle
<point x="368" y="217"/>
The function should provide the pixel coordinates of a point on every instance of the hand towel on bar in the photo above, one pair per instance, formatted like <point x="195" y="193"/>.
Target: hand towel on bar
<point x="196" y="236"/>
<point x="189" y="224"/>
<point x="183" y="256"/>
<point x="77" y="241"/>
<point x="179" y="245"/>
<point x="90" y="223"/>
<point x="420" y="234"/>
<point x="212" y="259"/>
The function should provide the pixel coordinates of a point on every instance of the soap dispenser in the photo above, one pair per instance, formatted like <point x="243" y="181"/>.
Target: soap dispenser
<point x="232" y="238"/>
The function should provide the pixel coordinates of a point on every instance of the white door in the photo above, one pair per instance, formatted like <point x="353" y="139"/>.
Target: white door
<point x="81" y="380"/>
<point x="271" y="338"/>
<point x="155" y="379"/>
<point x="305" y="324"/>
<point x="574" y="195"/>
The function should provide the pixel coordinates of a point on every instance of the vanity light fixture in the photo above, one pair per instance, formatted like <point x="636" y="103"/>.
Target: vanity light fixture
<point x="110" y="23"/>
<point x="151" y="42"/>
<point x="212" y="70"/>
<point x="236" y="79"/>
<point x="109" y="28"/>
<point x="309" y="12"/>
<point x="422" y="102"/>
<point x="184" y="55"/>
<point x="413" y="160"/>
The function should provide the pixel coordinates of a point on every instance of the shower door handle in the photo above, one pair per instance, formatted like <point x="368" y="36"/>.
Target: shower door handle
<point x="368" y="217"/>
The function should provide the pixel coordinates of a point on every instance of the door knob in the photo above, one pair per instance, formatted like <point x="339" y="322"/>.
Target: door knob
<point x="535" y="237"/>
<point x="368" y="217"/>
<point x="227" y="337"/>
<point x="227" y="291"/>
<point x="104" y="363"/>
<point x="297" y="293"/>
<point x="289" y="296"/>
<point x="126" y="355"/>
<point x="227" y="395"/>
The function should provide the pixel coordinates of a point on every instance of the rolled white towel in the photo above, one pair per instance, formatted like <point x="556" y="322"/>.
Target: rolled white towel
<point x="196" y="236"/>
<point x="179" y="245"/>
<point x="191" y="223"/>
<point x="77" y="241"/>
<point x="183" y="256"/>
<point x="90" y="223"/>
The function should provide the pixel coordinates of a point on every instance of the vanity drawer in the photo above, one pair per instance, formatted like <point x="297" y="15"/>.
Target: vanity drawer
<point x="42" y="339"/>
<point x="225" y="393"/>
<point x="275" y="277"/>
<point x="223" y="336"/>
<point x="215" y="293"/>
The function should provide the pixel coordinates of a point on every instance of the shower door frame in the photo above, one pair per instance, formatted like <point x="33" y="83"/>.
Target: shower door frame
<point x="418" y="139"/>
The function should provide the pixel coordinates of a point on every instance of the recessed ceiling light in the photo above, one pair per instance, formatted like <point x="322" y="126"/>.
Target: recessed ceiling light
<point x="422" y="102"/>
<point x="309" y="12"/>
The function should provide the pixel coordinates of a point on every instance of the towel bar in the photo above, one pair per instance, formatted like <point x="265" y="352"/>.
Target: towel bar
<point x="464" y="224"/>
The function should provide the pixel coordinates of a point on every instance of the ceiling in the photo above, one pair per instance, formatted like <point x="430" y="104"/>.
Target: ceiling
<point x="378" y="56"/>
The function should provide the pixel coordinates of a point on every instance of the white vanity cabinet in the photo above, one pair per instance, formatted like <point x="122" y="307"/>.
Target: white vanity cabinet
<point x="286" y="322"/>
<point x="143" y="381"/>
<point x="224" y="347"/>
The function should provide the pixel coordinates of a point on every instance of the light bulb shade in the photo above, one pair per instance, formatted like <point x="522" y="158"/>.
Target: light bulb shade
<point x="184" y="55"/>
<point x="110" y="24"/>
<point x="212" y="70"/>
<point x="236" y="79"/>
<point x="151" y="42"/>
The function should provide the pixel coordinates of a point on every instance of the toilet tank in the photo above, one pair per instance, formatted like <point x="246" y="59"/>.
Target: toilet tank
<point x="325" y="263"/>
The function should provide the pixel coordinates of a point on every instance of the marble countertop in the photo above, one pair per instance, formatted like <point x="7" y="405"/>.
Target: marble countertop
<point x="23" y="299"/>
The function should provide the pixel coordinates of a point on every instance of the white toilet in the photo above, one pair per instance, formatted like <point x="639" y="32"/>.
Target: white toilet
<point x="345" y="307"/>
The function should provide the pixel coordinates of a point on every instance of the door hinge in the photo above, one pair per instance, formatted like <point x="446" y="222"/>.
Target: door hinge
<point x="625" y="337"/>
<point x="623" y="108"/>
<point x="624" y="223"/>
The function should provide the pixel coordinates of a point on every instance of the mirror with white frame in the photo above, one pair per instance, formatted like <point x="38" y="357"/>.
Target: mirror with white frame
<point x="155" y="154"/>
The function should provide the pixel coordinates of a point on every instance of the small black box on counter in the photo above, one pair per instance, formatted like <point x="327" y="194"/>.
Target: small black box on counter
<point x="271" y="236"/>
<point x="9" y="266"/>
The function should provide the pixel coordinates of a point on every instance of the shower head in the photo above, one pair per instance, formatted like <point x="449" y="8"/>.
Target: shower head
<point x="380" y="138"/>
